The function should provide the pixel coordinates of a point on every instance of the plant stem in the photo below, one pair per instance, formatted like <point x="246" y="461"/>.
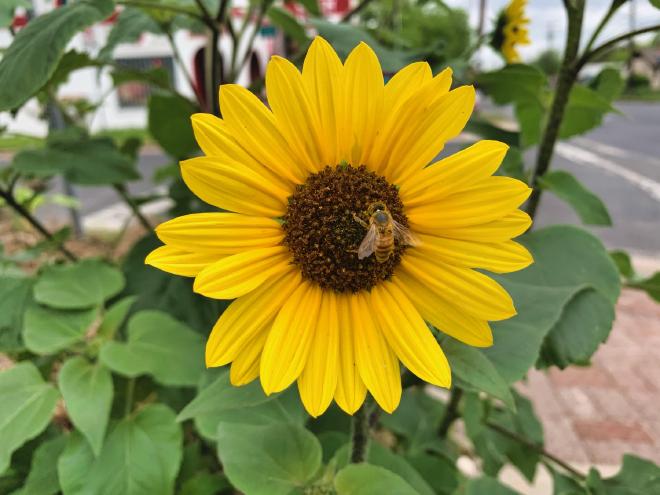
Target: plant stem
<point x="537" y="448"/>
<point x="22" y="211"/>
<point x="360" y="435"/>
<point x="608" y="45"/>
<point x="356" y="10"/>
<point x="608" y="15"/>
<point x="130" y="392"/>
<point x="130" y="202"/>
<point x="184" y="69"/>
<point x="451" y="413"/>
<point x="565" y="81"/>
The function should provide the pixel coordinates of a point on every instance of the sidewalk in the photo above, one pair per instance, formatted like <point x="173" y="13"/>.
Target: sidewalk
<point x="594" y="415"/>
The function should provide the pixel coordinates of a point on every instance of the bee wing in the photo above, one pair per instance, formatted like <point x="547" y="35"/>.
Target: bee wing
<point x="368" y="243"/>
<point x="403" y="235"/>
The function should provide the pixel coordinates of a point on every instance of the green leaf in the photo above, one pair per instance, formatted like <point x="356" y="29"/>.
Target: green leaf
<point x="344" y="37"/>
<point x="141" y="456"/>
<point x="114" y="317"/>
<point x="47" y="331"/>
<point x="71" y="62"/>
<point x="169" y="124"/>
<point x="220" y="402"/>
<point x="584" y="111"/>
<point x="35" y="52"/>
<point x="312" y="7"/>
<point x="567" y="261"/>
<point x="591" y="313"/>
<point x="637" y="476"/>
<point x="15" y="294"/>
<point x="42" y="479"/>
<point x="513" y="84"/>
<point x="87" y="390"/>
<point x="513" y="164"/>
<point x="87" y="161"/>
<point x="82" y="285"/>
<point x="587" y="205"/>
<point x="609" y="84"/>
<point x="439" y="471"/>
<point x="623" y="263"/>
<point x="475" y="372"/>
<point x="378" y="455"/>
<point x="221" y="396"/>
<point x="204" y="483"/>
<point x="156" y="76"/>
<point x="364" y="479"/>
<point x="7" y="10"/>
<point x="655" y="3"/>
<point x="27" y="406"/>
<point x="289" y="24"/>
<point x="416" y="419"/>
<point x="650" y="285"/>
<point x="487" y="485"/>
<point x="129" y="27"/>
<point x="160" y="346"/>
<point x="274" y="459"/>
<point x="490" y="130"/>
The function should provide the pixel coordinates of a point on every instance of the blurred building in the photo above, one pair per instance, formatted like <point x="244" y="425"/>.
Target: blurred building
<point x="125" y="106"/>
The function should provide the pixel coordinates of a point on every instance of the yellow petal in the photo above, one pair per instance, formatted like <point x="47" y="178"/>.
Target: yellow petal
<point x="253" y="126"/>
<point x="248" y="317"/>
<point x="241" y="273"/>
<point x="502" y="229"/>
<point x="178" y="262"/>
<point x="233" y="187"/>
<point x="318" y="381"/>
<point x="405" y="107"/>
<point x="489" y="200"/>
<point x="215" y="140"/>
<point x="442" y="314"/>
<point x="351" y="391"/>
<point x="245" y="367"/>
<point x="362" y="105"/>
<point x="377" y="363"/>
<point x="458" y="171"/>
<point x="472" y="291"/>
<point x="425" y="138"/>
<point x="220" y="233"/>
<point x="502" y="257"/>
<point x="293" y="112"/>
<point x="408" y="335"/>
<point x="322" y="72"/>
<point x="289" y="341"/>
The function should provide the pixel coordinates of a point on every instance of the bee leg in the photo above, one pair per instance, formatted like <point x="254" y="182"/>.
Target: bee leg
<point x="360" y="221"/>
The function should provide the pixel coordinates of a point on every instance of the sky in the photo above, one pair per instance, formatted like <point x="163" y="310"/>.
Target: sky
<point x="548" y="20"/>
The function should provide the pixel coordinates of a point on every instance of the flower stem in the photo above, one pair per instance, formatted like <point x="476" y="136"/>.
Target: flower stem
<point x="360" y="435"/>
<point x="565" y="82"/>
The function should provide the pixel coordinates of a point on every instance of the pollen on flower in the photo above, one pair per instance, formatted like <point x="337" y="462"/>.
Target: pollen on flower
<point x="323" y="236"/>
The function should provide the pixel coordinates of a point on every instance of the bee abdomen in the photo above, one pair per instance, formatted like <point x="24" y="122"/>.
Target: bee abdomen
<point x="384" y="247"/>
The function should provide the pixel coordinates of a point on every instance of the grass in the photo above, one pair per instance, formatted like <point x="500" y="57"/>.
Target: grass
<point x="644" y="94"/>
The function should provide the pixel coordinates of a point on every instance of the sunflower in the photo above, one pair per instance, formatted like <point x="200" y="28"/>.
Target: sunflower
<point x="511" y="30"/>
<point x="300" y="186"/>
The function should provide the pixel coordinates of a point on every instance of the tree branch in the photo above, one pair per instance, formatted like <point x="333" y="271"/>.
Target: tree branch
<point x="130" y="202"/>
<point x="168" y="7"/>
<point x="356" y="10"/>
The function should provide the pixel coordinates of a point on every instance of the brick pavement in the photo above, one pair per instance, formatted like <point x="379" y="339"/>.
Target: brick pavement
<point x="594" y="415"/>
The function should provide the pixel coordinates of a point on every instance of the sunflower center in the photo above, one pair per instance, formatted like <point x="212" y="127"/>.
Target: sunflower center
<point x="323" y="235"/>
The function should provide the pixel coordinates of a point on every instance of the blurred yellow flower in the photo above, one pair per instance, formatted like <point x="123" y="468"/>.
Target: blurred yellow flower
<point x="338" y="242"/>
<point x="511" y="30"/>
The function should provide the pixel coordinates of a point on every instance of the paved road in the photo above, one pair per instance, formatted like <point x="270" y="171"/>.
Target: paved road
<point x="619" y="161"/>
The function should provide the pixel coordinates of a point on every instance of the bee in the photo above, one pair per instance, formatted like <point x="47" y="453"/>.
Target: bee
<point x="382" y="231"/>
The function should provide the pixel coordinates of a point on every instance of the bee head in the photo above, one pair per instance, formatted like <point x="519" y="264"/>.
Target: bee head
<point x="381" y="217"/>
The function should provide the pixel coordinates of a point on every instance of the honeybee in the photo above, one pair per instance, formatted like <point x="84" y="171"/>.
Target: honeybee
<point x="382" y="231"/>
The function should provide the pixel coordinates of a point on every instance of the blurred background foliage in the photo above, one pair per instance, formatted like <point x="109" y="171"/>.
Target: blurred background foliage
<point x="103" y="388"/>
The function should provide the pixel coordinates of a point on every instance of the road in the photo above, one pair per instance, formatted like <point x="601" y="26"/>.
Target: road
<point x="619" y="161"/>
